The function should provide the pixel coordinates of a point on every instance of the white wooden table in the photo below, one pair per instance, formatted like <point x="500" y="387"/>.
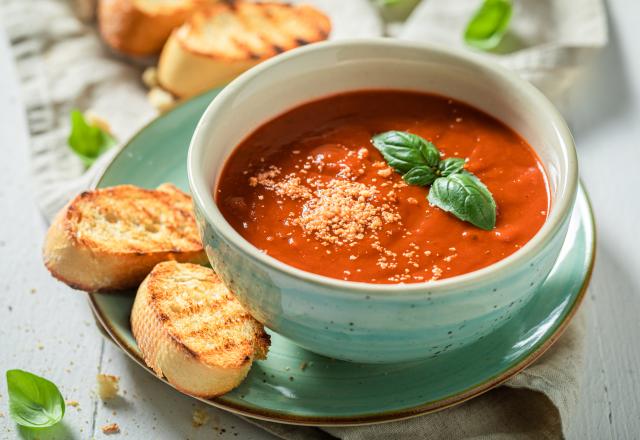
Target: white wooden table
<point x="48" y="329"/>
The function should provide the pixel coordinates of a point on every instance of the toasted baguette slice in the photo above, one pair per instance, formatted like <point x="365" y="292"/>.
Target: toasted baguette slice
<point x="141" y="27"/>
<point x="110" y="239"/>
<point x="220" y="41"/>
<point x="193" y="331"/>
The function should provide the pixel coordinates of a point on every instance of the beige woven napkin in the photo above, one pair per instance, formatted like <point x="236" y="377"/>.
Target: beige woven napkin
<point x="63" y="65"/>
<point x="549" y="42"/>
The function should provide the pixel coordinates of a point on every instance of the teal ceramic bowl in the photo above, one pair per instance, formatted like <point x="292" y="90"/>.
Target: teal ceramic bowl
<point x="377" y="323"/>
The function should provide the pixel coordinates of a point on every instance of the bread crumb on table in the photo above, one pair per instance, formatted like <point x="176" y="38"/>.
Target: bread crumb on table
<point x="111" y="428"/>
<point x="97" y="121"/>
<point x="73" y="403"/>
<point x="150" y="77"/>
<point x="199" y="417"/>
<point x="161" y="100"/>
<point x="108" y="386"/>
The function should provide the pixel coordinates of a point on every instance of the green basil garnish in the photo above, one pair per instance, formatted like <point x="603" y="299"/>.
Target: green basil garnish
<point x="88" y="141"/>
<point x="34" y="402"/>
<point x="489" y="24"/>
<point x="420" y="176"/>
<point x="404" y="151"/>
<point x="463" y="195"/>
<point x="451" y="165"/>
<point x="453" y="189"/>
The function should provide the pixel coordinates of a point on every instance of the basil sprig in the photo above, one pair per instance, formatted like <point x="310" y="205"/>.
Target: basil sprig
<point x="87" y="140"/>
<point x="453" y="189"/>
<point x="489" y="24"/>
<point x="34" y="402"/>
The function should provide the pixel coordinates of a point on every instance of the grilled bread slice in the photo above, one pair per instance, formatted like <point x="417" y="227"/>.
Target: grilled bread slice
<point x="141" y="27"/>
<point x="222" y="40"/>
<point x="110" y="239"/>
<point x="192" y="330"/>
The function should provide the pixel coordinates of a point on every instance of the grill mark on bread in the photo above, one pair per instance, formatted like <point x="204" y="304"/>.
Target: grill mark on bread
<point x="133" y="206"/>
<point x="283" y="22"/>
<point x="165" y="284"/>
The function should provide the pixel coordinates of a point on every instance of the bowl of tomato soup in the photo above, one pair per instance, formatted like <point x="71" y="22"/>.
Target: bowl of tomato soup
<point x="382" y="201"/>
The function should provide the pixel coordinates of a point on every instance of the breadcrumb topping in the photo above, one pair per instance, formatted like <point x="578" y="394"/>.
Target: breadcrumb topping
<point x="343" y="212"/>
<point x="339" y="211"/>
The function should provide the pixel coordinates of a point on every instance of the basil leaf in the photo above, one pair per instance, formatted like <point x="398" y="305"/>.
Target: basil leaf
<point x="34" y="401"/>
<point x="489" y="24"/>
<point x="88" y="141"/>
<point x="420" y="176"/>
<point x="463" y="195"/>
<point x="404" y="151"/>
<point x="451" y="165"/>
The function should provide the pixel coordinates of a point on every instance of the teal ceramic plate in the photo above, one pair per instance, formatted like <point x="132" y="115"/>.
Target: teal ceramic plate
<point x="299" y="387"/>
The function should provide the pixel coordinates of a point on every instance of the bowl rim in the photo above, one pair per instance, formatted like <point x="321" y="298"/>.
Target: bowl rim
<point x="563" y="204"/>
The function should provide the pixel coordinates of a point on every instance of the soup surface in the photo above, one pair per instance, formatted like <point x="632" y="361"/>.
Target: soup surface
<point x="309" y="189"/>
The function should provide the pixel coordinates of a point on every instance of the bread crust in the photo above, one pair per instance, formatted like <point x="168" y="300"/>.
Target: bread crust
<point x="77" y="255"/>
<point x="170" y="294"/>
<point x="133" y="30"/>
<point x="206" y="52"/>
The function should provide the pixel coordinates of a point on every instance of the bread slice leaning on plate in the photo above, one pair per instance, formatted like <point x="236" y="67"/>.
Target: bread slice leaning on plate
<point x="141" y="27"/>
<point x="111" y="238"/>
<point x="222" y="40"/>
<point x="192" y="330"/>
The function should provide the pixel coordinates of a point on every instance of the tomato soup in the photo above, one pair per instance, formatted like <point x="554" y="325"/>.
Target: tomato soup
<point x="309" y="189"/>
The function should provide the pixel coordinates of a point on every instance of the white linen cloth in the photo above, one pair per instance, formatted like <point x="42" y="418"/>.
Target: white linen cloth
<point x="63" y="65"/>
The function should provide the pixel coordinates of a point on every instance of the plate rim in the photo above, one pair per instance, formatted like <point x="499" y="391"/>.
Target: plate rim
<point x="382" y="417"/>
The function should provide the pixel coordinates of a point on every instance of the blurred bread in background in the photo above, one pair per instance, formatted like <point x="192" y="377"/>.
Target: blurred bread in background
<point x="222" y="40"/>
<point x="141" y="27"/>
<point x="202" y="43"/>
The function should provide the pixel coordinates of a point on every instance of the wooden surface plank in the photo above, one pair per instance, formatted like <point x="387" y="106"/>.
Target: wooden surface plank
<point x="44" y="328"/>
<point x="604" y="113"/>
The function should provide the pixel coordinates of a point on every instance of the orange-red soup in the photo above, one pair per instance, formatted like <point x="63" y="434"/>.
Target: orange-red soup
<point x="309" y="189"/>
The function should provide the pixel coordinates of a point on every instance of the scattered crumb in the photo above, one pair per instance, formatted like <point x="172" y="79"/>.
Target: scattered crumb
<point x="363" y="153"/>
<point x="33" y="290"/>
<point x="108" y="386"/>
<point x="199" y="417"/>
<point x="73" y="403"/>
<point x="448" y="258"/>
<point x="385" y="172"/>
<point x="412" y="201"/>
<point x="160" y="99"/>
<point x="97" y="121"/>
<point x="304" y="365"/>
<point x="40" y="346"/>
<point x="111" y="428"/>
<point x="150" y="77"/>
